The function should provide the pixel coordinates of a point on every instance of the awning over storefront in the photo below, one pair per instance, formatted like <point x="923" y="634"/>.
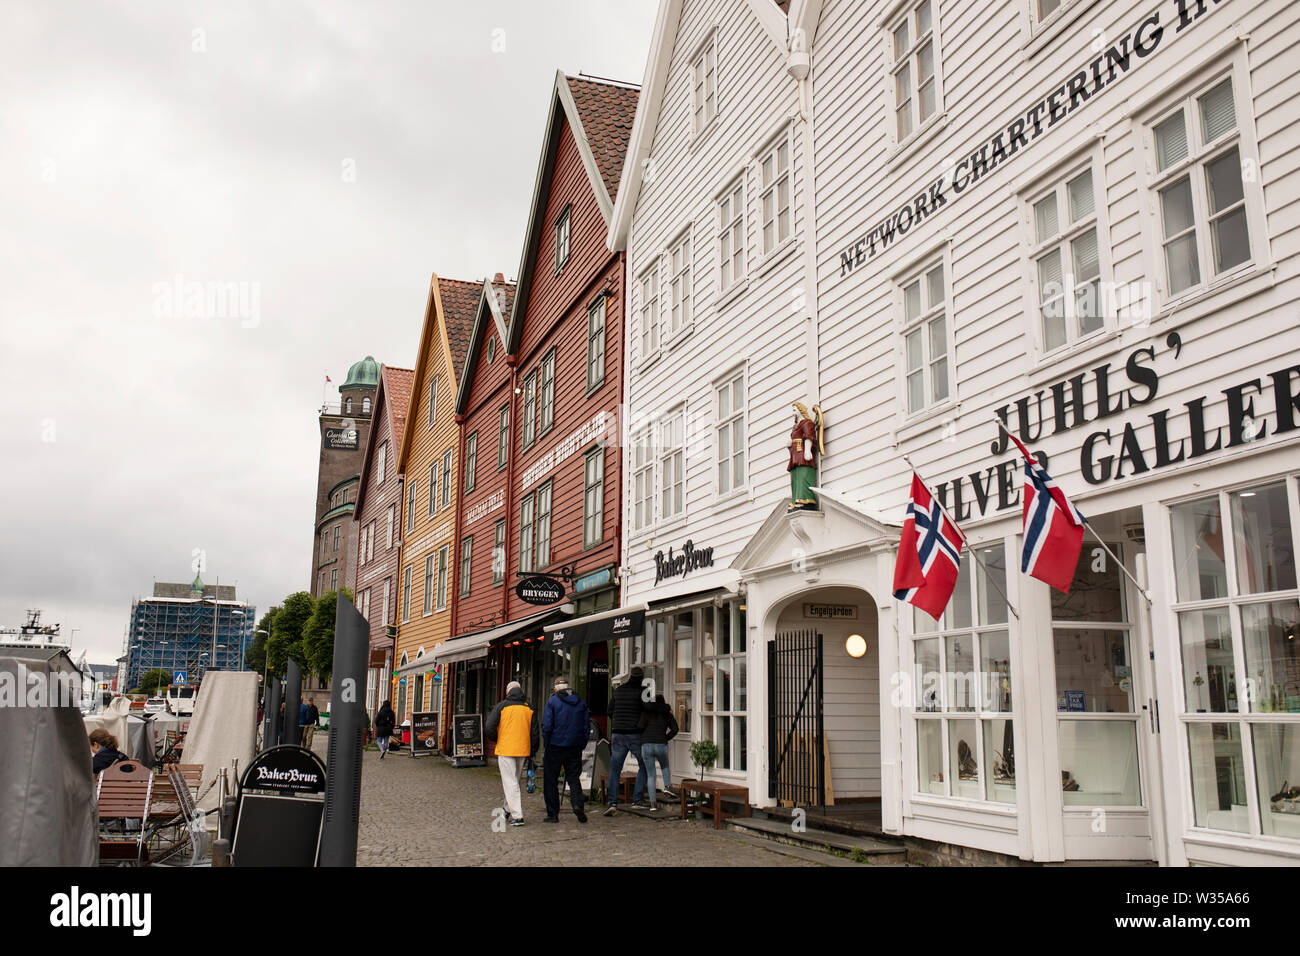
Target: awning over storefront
<point x="626" y="621"/>
<point x="473" y="646"/>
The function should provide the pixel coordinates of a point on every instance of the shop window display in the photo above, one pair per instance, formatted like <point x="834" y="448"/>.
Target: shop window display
<point x="724" y="684"/>
<point x="963" y="679"/>
<point x="1237" y="608"/>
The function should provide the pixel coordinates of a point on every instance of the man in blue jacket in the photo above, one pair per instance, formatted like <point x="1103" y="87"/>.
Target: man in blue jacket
<point x="565" y="726"/>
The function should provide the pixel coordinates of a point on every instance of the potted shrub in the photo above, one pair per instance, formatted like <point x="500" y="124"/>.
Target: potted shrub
<point x="704" y="754"/>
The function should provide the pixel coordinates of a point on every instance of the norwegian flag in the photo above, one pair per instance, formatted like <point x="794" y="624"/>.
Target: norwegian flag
<point x="1053" y="527"/>
<point x="929" y="554"/>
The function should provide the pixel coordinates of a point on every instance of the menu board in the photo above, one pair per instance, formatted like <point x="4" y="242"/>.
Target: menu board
<point x="424" y="734"/>
<point x="467" y="735"/>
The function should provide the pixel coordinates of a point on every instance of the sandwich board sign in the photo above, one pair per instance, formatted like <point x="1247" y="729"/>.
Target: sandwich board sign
<point x="424" y="734"/>
<point x="467" y="740"/>
<point x="280" y="808"/>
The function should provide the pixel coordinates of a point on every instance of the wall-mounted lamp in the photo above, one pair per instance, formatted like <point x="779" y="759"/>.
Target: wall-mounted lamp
<point x="855" y="645"/>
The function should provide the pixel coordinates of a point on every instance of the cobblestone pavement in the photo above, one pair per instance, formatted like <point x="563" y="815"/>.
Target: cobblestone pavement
<point x="423" y="812"/>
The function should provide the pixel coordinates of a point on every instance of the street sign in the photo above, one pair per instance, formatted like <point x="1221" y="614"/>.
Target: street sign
<point x="179" y="678"/>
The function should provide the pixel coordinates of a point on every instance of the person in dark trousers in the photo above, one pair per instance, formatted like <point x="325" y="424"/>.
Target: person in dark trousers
<point x="658" y="726"/>
<point x="385" y="721"/>
<point x="512" y="726"/>
<point x="309" y="726"/>
<point x="565" y="726"/>
<point x="103" y="747"/>
<point x="625" y="709"/>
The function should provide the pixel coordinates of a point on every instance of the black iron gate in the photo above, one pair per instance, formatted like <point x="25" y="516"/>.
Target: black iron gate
<point x="795" y="731"/>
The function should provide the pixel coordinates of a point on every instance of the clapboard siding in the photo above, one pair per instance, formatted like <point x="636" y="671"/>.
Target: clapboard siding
<point x="987" y="80"/>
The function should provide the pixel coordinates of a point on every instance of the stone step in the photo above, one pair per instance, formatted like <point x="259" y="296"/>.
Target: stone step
<point x="873" y="850"/>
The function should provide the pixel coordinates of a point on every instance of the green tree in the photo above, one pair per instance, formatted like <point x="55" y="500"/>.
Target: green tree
<point x="256" y="658"/>
<point x="318" y="633"/>
<point x="157" y="678"/>
<point x="286" y="632"/>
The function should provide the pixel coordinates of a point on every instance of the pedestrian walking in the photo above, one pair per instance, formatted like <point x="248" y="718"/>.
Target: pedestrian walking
<point x="309" y="728"/>
<point x="304" y="718"/>
<point x="658" y="726"/>
<point x="625" y="709"/>
<point x="512" y="726"/>
<point x="565" y="728"/>
<point x="385" y="721"/>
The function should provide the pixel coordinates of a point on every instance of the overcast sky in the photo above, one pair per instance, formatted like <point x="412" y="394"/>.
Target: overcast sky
<point x="320" y="159"/>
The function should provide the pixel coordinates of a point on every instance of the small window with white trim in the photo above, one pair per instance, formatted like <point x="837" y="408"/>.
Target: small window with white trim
<point x="775" y="197"/>
<point x="731" y="234"/>
<point x="730" y="410"/>
<point x="913" y="42"/>
<point x="1066" y="261"/>
<point x="704" y="85"/>
<point x="672" y="463"/>
<point x="648" y="309"/>
<point x="643" y="478"/>
<point x="679" y="290"/>
<point x="926" y="345"/>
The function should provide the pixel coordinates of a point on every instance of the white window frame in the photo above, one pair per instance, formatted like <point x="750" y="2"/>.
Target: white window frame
<point x="499" y="552"/>
<point x="444" y="557"/>
<point x="381" y="469"/>
<point x="406" y="593"/>
<point x="1184" y="96"/>
<point x="920" y="272"/>
<point x="643" y="477"/>
<point x="703" y="79"/>
<point x="728" y="424"/>
<point x="411" y="498"/>
<point x="766" y="189"/>
<point x="672" y="458"/>
<point x="471" y="461"/>
<point x="527" y="532"/>
<point x="428" y="585"/>
<point x="909" y="59"/>
<point x="593" y="498"/>
<point x="596" y="343"/>
<point x="542" y="532"/>
<point x="392" y="521"/>
<point x="546" y="394"/>
<point x="648" y="307"/>
<point x="446" y="478"/>
<point x="388" y="588"/>
<point x="466" y="563"/>
<point x="680" y="284"/>
<point x="433" y="489"/>
<point x="563" y="236"/>
<point x="528" y="423"/>
<point x="1056" y="183"/>
<point x="503" y="436"/>
<point x="732" y="212"/>
<point x="433" y="401"/>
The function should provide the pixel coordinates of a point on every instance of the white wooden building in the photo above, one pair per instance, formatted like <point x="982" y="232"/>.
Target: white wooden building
<point x="1077" y="216"/>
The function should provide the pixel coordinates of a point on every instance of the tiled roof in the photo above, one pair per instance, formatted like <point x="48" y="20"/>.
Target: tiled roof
<point x="397" y="393"/>
<point x="607" y="111"/>
<point x="459" y="303"/>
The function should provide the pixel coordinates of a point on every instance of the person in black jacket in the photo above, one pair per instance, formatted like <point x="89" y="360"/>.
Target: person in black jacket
<point x="625" y="709"/>
<point x="658" y="726"/>
<point x="385" y="721"/>
<point x="103" y="746"/>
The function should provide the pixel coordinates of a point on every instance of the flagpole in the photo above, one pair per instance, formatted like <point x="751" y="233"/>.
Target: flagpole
<point x="1088" y="525"/>
<point x="974" y="553"/>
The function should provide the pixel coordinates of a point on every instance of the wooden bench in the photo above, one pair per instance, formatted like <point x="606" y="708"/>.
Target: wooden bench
<point x="717" y="790"/>
<point x="626" y="783"/>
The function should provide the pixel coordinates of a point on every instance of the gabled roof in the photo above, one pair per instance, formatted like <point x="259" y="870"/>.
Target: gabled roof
<point x="600" y="114"/>
<point x="778" y="18"/>
<point x="392" y="397"/>
<point x="448" y="319"/>
<point x="496" y="300"/>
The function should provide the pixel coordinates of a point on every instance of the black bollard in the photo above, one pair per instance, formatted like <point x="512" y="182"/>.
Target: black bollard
<point x="292" y="701"/>
<point x="273" y="698"/>
<point x="338" y="839"/>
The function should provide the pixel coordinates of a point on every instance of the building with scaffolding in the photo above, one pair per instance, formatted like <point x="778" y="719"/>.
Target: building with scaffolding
<point x="187" y="629"/>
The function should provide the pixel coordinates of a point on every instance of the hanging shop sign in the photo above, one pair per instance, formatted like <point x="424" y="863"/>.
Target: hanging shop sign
<point x="424" y="734"/>
<point x="1268" y="404"/>
<point x="1017" y="132"/>
<point x="467" y="735"/>
<point x="682" y="562"/>
<point x="610" y="628"/>
<point x="596" y="579"/>
<point x="831" y="612"/>
<point x="539" y="590"/>
<point x="341" y="439"/>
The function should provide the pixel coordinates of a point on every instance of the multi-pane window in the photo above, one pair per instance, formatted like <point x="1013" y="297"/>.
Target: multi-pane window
<point x="596" y="344"/>
<point x="679" y="289"/>
<point x="1201" y="189"/>
<point x="775" y="196"/>
<point x="471" y="461"/>
<point x="535" y="530"/>
<point x="643" y="478"/>
<point x="365" y="405"/>
<point x="730" y="397"/>
<point x="527" y="517"/>
<point x="324" y="542"/>
<point x="444" y="555"/>
<point x="433" y="400"/>
<point x="546" y="398"/>
<point x="334" y="579"/>
<point x="543" y="557"/>
<point x="499" y="552"/>
<point x="1045" y="8"/>
<point x="916" y="86"/>
<point x="593" y="498"/>
<point x="503" y="436"/>
<point x="466" y="563"/>
<point x="410" y="506"/>
<point x="562" y="239"/>
<point x="370" y="541"/>
<point x="529" y="431"/>
<point x="725" y="684"/>
<point x="392" y="521"/>
<point x="336" y="537"/>
<point x="925" y="339"/>
<point x="381" y="466"/>
<point x="428" y="585"/>
<point x="1238" y="611"/>
<point x="388" y="587"/>
<point x="672" y="463"/>
<point x="406" y="594"/>
<point x="731" y="235"/>
<point x="433" y="489"/>
<point x="1067" y="263"/>
<point x="446" y="478"/>
<point x="704" y="85"/>
<point x="964" y="712"/>
<point x="649" y="302"/>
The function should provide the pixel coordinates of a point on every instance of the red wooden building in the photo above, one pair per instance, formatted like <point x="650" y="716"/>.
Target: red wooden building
<point x="546" y="373"/>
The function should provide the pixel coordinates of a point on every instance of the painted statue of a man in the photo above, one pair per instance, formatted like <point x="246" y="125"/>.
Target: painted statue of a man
<point x="807" y="441"/>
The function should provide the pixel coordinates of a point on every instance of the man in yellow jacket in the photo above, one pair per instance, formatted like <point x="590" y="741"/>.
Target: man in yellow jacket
<point x="512" y="726"/>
